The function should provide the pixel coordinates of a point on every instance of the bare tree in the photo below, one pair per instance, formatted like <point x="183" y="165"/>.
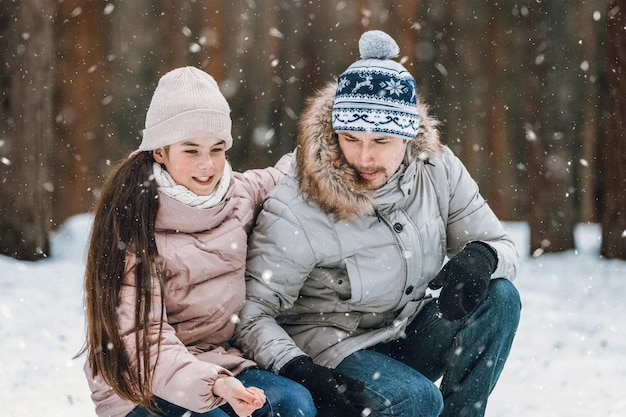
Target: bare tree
<point x="499" y="176"/>
<point x="551" y="211"/>
<point x="258" y="98"/>
<point x="614" y="160"/>
<point x="590" y="66"/>
<point x="82" y="140"/>
<point x="26" y="127"/>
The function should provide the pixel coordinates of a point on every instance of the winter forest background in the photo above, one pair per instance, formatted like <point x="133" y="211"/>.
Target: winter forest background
<point x="530" y="95"/>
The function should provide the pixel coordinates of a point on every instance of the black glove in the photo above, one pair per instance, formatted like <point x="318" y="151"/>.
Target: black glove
<point x="327" y="386"/>
<point x="465" y="279"/>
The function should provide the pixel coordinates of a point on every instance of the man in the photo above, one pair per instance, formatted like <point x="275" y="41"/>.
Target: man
<point x="348" y="248"/>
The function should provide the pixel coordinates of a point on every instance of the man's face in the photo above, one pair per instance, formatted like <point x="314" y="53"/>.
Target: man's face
<point x="376" y="157"/>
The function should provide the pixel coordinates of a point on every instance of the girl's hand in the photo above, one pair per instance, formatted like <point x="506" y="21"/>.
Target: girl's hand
<point x="244" y="401"/>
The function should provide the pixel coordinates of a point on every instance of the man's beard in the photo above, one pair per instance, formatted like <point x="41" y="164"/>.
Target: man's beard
<point x="367" y="184"/>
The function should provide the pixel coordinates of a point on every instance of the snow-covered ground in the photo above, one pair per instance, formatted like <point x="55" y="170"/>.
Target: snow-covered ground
<point x="568" y="360"/>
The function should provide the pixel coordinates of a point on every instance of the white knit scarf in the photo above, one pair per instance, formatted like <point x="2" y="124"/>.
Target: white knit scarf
<point x="169" y="187"/>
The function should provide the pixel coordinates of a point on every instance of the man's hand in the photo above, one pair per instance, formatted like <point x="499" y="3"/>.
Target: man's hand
<point x="464" y="280"/>
<point x="327" y="386"/>
<point x="243" y="400"/>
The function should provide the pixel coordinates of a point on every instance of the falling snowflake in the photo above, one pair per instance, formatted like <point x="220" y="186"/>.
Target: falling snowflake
<point x="276" y="33"/>
<point x="266" y="276"/>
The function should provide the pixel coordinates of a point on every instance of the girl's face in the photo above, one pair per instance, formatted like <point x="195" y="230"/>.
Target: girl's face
<point x="197" y="163"/>
<point x="376" y="157"/>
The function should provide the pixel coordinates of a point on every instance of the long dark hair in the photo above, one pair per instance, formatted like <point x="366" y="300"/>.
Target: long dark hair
<point x="123" y="231"/>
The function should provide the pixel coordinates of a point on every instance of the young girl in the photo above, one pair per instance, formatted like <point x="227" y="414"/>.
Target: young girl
<point x="165" y="269"/>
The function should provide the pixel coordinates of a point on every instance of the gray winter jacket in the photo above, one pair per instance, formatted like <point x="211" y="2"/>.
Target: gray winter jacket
<point x="333" y="268"/>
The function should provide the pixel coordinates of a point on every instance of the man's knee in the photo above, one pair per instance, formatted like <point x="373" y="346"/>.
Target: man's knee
<point x="504" y="297"/>
<point x="414" y="397"/>
<point x="424" y="400"/>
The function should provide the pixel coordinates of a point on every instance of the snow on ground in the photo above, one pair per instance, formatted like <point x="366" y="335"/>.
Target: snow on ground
<point x="568" y="360"/>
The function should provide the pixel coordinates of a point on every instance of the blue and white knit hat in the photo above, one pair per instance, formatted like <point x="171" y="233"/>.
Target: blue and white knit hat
<point x="377" y="94"/>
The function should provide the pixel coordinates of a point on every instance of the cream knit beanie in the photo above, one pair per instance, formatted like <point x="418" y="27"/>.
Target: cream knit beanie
<point x="187" y="103"/>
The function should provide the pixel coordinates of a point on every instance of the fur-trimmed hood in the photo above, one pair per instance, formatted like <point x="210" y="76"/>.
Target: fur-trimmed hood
<point x="322" y="171"/>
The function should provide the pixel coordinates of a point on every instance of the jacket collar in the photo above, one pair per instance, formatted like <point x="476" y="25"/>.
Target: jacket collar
<point x="174" y="216"/>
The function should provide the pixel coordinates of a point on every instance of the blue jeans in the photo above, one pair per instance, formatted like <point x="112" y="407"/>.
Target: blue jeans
<point x="285" y="398"/>
<point x="468" y="355"/>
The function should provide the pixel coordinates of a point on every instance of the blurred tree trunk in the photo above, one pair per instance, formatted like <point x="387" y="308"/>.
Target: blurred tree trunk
<point x="294" y="61"/>
<point x="258" y="93"/>
<point x="173" y="45"/>
<point x="214" y="34"/>
<point x="457" y="59"/>
<point x="405" y="24"/>
<point x="614" y="161"/>
<point x="552" y="214"/>
<point x="26" y="130"/>
<point x="499" y="181"/>
<point x="133" y="65"/>
<point x="588" y="165"/>
<point x="81" y="132"/>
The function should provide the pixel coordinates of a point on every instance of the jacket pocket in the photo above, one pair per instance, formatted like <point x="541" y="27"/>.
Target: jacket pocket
<point x="376" y="275"/>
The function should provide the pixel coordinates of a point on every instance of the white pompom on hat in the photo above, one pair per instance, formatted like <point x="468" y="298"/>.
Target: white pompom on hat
<point x="186" y="104"/>
<point x="376" y="94"/>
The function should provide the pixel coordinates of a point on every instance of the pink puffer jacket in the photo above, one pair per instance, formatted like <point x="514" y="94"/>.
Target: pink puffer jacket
<point x="205" y="252"/>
